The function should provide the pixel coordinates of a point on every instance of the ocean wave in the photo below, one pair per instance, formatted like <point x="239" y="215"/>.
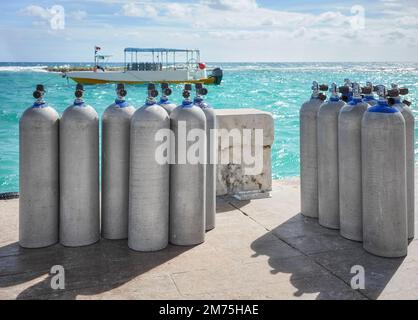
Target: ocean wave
<point x="23" y="69"/>
<point x="313" y="68"/>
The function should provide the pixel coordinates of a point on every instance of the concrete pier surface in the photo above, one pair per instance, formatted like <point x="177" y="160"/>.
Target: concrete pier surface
<point x="260" y="249"/>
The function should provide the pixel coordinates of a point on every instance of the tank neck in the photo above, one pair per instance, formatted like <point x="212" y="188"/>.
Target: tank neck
<point x="187" y="103"/>
<point x="121" y="103"/>
<point x="150" y="101"/>
<point x="79" y="102"/>
<point x="39" y="104"/>
<point x="355" y="101"/>
<point x="369" y="97"/>
<point x="164" y="100"/>
<point x="383" y="107"/>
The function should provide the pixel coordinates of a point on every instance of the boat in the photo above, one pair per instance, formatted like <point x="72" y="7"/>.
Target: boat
<point x="150" y="65"/>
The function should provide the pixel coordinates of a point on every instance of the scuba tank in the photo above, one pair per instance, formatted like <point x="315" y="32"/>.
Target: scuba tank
<point x="164" y="101"/>
<point x="188" y="178"/>
<point x="79" y="174"/>
<point x="149" y="179"/>
<point x="350" y="171"/>
<point x="328" y="194"/>
<point x="116" y="125"/>
<point x="385" y="231"/>
<point x="38" y="174"/>
<point x="308" y="151"/>
<point x="211" y="138"/>
<point x="404" y="108"/>
<point x="368" y="94"/>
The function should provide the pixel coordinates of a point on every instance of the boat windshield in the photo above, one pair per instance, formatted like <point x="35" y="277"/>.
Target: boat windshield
<point x="158" y="59"/>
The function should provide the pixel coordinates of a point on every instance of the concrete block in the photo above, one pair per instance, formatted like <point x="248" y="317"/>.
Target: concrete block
<point x="233" y="174"/>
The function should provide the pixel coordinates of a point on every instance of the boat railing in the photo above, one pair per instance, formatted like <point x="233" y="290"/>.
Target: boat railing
<point x="144" y="66"/>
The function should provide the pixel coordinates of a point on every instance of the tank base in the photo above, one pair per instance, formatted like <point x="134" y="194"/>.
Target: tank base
<point x="82" y="244"/>
<point x="38" y="246"/>
<point x="350" y="237"/>
<point x="395" y="254"/>
<point x="328" y="226"/>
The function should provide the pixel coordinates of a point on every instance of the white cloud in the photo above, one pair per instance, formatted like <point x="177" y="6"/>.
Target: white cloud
<point x="238" y="5"/>
<point x="78" y="15"/>
<point x="139" y="10"/>
<point x="37" y="11"/>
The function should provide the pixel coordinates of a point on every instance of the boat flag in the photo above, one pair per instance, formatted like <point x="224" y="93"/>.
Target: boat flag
<point x="97" y="49"/>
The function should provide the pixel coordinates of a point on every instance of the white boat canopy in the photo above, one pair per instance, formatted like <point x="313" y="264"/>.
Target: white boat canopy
<point x="161" y="57"/>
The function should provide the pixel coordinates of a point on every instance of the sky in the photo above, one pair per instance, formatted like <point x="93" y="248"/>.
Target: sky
<point x="224" y="30"/>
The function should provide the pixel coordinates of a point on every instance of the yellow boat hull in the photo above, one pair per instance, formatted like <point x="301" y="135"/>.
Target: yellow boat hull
<point x="87" y="81"/>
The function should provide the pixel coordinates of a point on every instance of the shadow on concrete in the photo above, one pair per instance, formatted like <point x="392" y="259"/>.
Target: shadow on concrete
<point x="89" y="270"/>
<point x="223" y="204"/>
<point x="320" y="261"/>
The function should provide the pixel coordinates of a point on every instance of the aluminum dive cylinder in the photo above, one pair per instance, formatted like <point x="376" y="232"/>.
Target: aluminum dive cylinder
<point x="39" y="174"/>
<point x="188" y="174"/>
<point x="211" y="140"/>
<point x="385" y="231"/>
<point x="149" y="183"/>
<point x="408" y="115"/>
<point x="328" y="184"/>
<point x="116" y="124"/>
<point x="368" y="94"/>
<point x="308" y="151"/>
<point x="350" y="170"/>
<point x="79" y="174"/>
<point x="164" y="101"/>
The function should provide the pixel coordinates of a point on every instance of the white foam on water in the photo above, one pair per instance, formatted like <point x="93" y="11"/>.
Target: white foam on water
<point x="23" y="69"/>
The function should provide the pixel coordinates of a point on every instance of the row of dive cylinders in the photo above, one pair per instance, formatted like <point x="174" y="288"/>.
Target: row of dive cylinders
<point x="357" y="165"/>
<point x="149" y="202"/>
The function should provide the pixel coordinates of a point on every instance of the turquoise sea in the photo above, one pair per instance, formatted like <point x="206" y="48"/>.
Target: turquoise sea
<point x="279" y="88"/>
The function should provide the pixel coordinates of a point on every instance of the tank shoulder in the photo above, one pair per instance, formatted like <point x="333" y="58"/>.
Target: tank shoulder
<point x="354" y="109"/>
<point x="381" y="117"/>
<point x="151" y="113"/>
<point x="40" y="114"/>
<point x="311" y="105"/>
<point x="189" y="113"/>
<point x="115" y="110"/>
<point x="406" y="112"/>
<point x="81" y="113"/>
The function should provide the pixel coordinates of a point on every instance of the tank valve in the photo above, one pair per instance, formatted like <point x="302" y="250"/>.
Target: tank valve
<point x="39" y="92"/>
<point x="120" y="91"/>
<point x="356" y="90"/>
<point x="334" y="91"/>
<point x="367" y="90"/>
<point x="407" y="103"/>
<point x="79" y="91"/>
<point x="152" y="92"/>
<point x="382" y="92"/>
<point x="165" y="89"/>
<point x="186" y="91"/>
<point x="200" y="90"/>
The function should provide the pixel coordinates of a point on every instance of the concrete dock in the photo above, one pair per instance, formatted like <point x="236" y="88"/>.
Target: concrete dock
<point x="260" y="249"/>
